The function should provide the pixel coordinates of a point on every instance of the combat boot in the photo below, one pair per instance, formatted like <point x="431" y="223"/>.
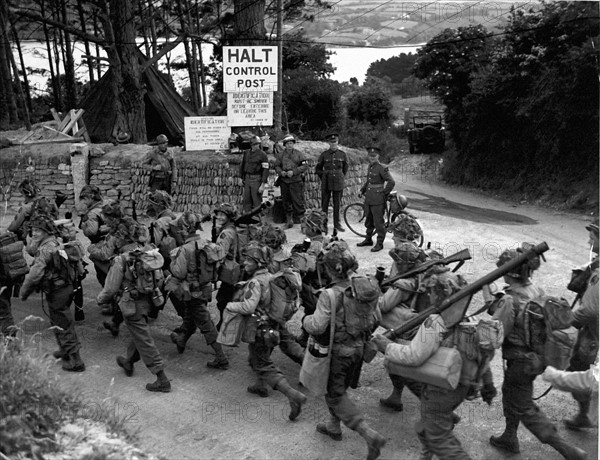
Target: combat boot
<point x="581" y="420"/>
<point x="375" y="441"/>
<point x="112" y="327"/>
<point x="60" y="354"/>
<point x="393" y="401"/>
<point x="290" y="221"/>
<point x="220" y="361"/>
<point x="162" y="383"/>
<point x="179" y="340"/>
<point x="507" y="441"/>
<point x="126" y="365"/>
<point x="259" y="389"/>
<point x="295" y="398"/>
<point x="368" y="241"/>
<point x="565" y="449"/>
<point x="331" y="428"/>
<point x="339" y="227"/>
<point x="74" y="363"/>
<point x="378" y="246"/>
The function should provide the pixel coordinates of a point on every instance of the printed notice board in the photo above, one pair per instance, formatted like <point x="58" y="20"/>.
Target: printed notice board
<point x="249" y="68"/>
<point x="206" y="133"/>
<point x="250" y="109"/>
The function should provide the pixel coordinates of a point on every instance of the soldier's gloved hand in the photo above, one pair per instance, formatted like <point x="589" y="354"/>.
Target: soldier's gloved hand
<point x="381" y="342"/>
<point x="488" y="393"/>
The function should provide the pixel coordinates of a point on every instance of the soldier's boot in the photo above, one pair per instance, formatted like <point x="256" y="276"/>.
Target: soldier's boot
<point x="331" y="428"/>
<point x="295" y="398"/>
<point x="220" y="361"/>
<point x="565" y="449"/>
<point x="259" y="388"/>
<point x="425" y="454"/>
<point x="375" y="441"/>
<point x="508" y="440"/>
<point x="60" y="354"/>
<point x="179" y="339"/>
<point x="162" y="383"/>
<point x="339" y="227"/>
<point x="581" y="420"/>
<point x="378" y="246"/>
<point x="290" y="221"/>
<point x="112" y="327"/>
<point x="393" y="401"/>
<point x="74" y="364"/>
<point x="368" y="241"/>
<point x="126" y="365"/>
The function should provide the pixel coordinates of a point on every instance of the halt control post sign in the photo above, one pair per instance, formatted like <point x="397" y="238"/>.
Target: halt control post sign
<point x="250" y="109"/>
<point x="249" y="68"/>
<point x="206" y="133"/>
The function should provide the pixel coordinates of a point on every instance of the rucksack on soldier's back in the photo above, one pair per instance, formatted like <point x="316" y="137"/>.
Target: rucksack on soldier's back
<point x="68" y="261"/>
<point x="145" y="265"/>
<point x="285" y="288"/>
<point x="548" y="331"/>
<point x="360" y="305"/>
<point x="12" y="261"/>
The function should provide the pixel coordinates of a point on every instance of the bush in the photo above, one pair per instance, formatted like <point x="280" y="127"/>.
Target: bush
<point x="370" y="104"/>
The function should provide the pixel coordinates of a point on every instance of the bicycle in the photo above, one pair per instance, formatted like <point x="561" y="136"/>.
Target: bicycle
<point x="395" y="205"/>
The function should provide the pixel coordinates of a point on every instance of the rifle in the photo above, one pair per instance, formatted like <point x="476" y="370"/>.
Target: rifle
<point x="213" y="232"/>
<point x="247" y="219"/>
<point x="133" y="206"/>
<point x="467" y="291"/>
<point x="460" y="257"/>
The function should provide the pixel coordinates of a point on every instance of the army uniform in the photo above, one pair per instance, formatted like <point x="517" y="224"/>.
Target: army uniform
<point x="195" y="299"/>
<point x="522" y="367"/>
<point x="292" y="188"/>
<point x="255" y="172"/>
<point x="331" y="168"/>
<point x="163" y="178"/>
<point x="20" y="224"/>
<point x="375" y="190"/>
<point x="228" y="241"/>
<point x="59" y="294"/>
<point x="7" y="321"/>
<point x="120" y="282"/>
<point x="92" y="223"/>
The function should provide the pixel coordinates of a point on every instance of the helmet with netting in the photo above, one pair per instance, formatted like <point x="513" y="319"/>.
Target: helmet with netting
<point x="189" y="222"/>
<point x="436" y="287"/>
<point x="408" y="253"/>
<point x="113" y="210"/>
<point x="28" y="188"/>
<point x="283" y="255"/>
<point x="91" y="191"/>
<point x="338" y="257"/>
<point x="160" y="199"/>
<point x="315" y="220"/>
<point x="525" y="270"/>
<point x="128" y="229"/>
<point x="260" y="253"/>
<point x="405" y="228"/>
<point x="229" y="209"/>
<point x="45" y="223"/>
<point x="273" y="236"/>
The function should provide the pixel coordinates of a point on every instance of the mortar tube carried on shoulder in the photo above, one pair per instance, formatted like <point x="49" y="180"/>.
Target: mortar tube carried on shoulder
<point x="468" y="291"/>
<point x="247" y="218"/>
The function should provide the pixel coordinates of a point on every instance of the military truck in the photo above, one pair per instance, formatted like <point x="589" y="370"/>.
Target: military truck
<point x="426" y="134"/>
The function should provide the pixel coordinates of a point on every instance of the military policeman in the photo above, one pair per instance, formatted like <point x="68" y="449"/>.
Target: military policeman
<point x="161" y="164"/>
<point x="291" y="165"/>
<point x="375" y="190"/>
<point x="331" y="168"/>
<point x="255" y="172"/>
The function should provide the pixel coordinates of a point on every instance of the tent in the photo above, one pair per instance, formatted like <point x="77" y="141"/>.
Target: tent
<point x="165" y="109"/>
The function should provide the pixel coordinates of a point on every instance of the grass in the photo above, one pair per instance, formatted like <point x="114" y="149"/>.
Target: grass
<point x="35" y="404"/>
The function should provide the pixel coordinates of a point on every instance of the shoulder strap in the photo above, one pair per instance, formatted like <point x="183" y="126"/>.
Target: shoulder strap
<point x="332" y="315"/>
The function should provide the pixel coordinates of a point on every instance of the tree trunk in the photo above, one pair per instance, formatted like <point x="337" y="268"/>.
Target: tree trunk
<point x="53" y="77"/>
<point x="11" y="58"/>
<point x="153" y="36"/>
<point x="201" y="61"/>
<point x="144" y="20"/>
<point x="23" y="68"/>
<point x="190" y="55"/>
<point x="71" y="89"/>
<point x="97" y="61"/>
<point x="249" y="22"/>
<point x="5" y="86"/>
<point x="13" y="113"/>
<point x="86" y="43"/>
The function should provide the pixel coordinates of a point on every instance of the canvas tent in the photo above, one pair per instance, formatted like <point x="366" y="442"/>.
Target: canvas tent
<point x="165" y="109"/>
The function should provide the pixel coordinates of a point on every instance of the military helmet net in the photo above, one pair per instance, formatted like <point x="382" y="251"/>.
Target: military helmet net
<point x="44" y="223"/>
<point x="338" y="257"/>
<point x="112" y="209"/>
<point x="160" y="199"/>
<point x="315" y="220"/>
<point x="273" y="236"/>
<point x="261" y="254"/>
<point x="524" y="271"/>
<point x="128" y="229"/>
<point x="189" y="222"/>
<point x="91" y="191"/>
<point x="436" y="287"/>
<point x="407" y="252"/>
<point x="284" y="254"/>
<point x="228" y="209"/>
<point x="405" y="228"/>
<point x="29" y="188"/>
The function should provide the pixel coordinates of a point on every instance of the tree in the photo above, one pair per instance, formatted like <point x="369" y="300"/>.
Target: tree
<point x="397" y="68"/>
<point x="370" y="103"/>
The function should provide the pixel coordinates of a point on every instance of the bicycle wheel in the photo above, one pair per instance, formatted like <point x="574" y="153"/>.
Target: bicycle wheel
<point x="354" y="216"/>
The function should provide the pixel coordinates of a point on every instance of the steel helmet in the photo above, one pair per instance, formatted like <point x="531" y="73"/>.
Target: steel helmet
<point x="524" y="271"/>
<point x="44" y="223"/>
<point x="408" y="253"/>
<point x="338" y="257"/>
<point x="288" y="138"/>
<point x="255" y="140"/>
<point x="162" y="139"/>
<point x="28" y="188"/>
<point x="405" y="228"/>
<point x="315" y="220"/>
<point x="91" y="191"/>
<point x="189" y="222"/>
<point x="229" y="209"/>
<point x="160" y="199"/>
<point x="436" y="287"/>
<point x="261" y="254"/>
<point x="128" y="229"/>
<point x="112" y="209"/>
<point x="273" y="236"/>
<point x="282" y="255"/>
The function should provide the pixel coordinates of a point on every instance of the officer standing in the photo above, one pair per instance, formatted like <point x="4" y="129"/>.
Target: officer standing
<point x="376" y="189"/>
<point x="331" y="168"/>
<point x="585" y="318"/>
<point x="255" y="172"/>
<point x="160" y="162"/>
<point x="522" y="364"/>
<point x="291" y="165"/>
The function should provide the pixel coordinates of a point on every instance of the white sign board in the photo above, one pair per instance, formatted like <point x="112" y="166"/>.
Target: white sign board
<point x="250" y="109"/>
<point x="206" y="133"/>
<point x="249" y="68"/>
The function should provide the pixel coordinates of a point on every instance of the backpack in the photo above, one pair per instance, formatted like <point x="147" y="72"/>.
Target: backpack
<point x="12" y="262"/>
<point x="580" y="278"/>
<point x="206" y="263"/>
<point x="285" y="287"/>
<point x="145" y="266"/>
<point x="68" y="261"/>
<point x="547" y="330"/>
<point x="166" y="244"/>
<point x="359" y="302"/>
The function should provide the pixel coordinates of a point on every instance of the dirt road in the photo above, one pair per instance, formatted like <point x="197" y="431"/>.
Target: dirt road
<point x="209" y="414"/>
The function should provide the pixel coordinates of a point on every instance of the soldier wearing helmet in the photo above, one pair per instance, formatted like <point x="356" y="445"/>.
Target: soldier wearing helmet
<point x="33" y="205"/>
<point x="255" y="300"/>
<point x="254" y="171"/>
<point x="376" y="189"/>
<point x="92" y="223"/>
<point x="290" y="165"/>
<point x="226" y="236"/>
<point x="161" y="164"/>
<point x="191" y="265"/>
<point x="347" y="351"/>
<point x="405" y="228"/>
<point x="522" y="364"/>
<point x="435" y="429"/>
<point x="57" y="285"/>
